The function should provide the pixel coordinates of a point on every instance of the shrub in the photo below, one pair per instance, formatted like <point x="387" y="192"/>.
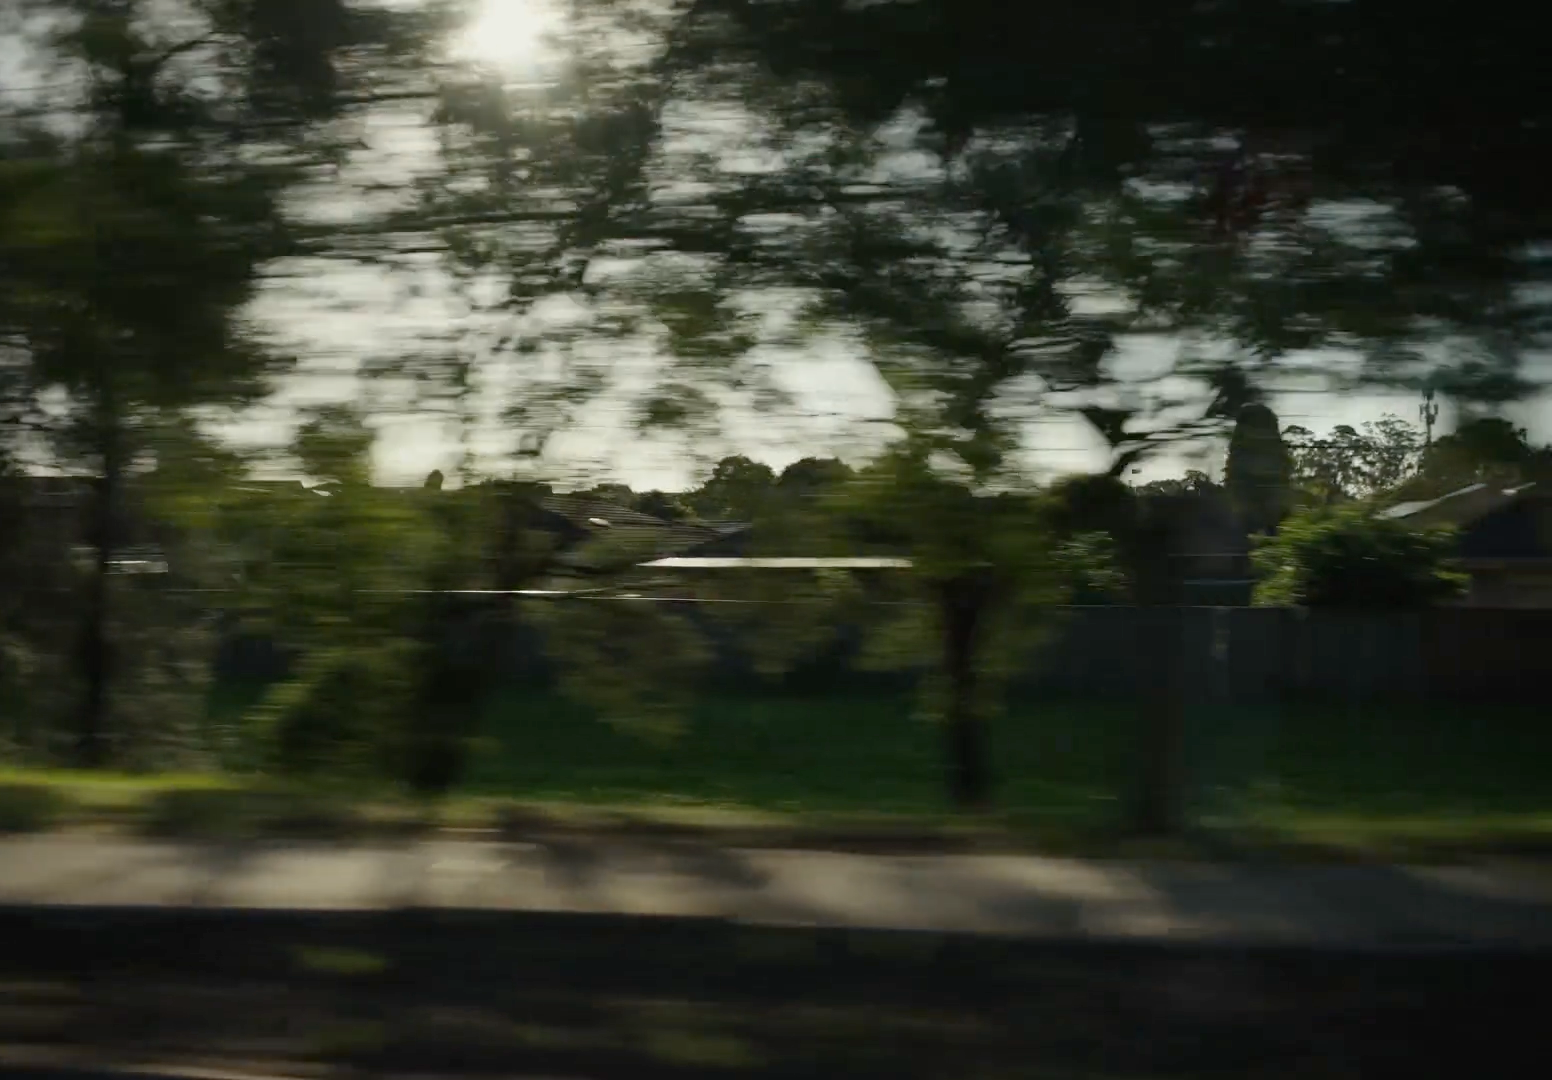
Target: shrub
<point x="1347" y="557"/>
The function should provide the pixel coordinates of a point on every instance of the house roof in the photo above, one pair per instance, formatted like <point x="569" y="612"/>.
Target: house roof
<point x="1458" y="507"/>
<point x="1519" y="530"/>
<point x="614" y="535"/>
<point x="793" y="563"/>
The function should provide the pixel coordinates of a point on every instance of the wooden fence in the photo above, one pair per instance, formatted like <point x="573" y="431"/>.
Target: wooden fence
<point x="1273" y="655"/>
<point x="1244" y="655"/>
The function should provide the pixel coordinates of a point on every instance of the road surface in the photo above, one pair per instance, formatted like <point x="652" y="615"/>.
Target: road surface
<point x="1019" y="895"/>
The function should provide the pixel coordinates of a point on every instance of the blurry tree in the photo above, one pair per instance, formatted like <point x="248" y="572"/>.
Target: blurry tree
<point x="1204" y="192"/>
<point x="1392" y="453"/>
<point x="333" y="585"/>
<point x="1194" y="481"/>
<point x="362" y="588"/>
<point x="169" y="561"/>
<point x="737" y="490"/>
<point x="1258" y="474"/>
<point x="1487" y="450"/>
<point x="1093" y="571"/>
<point x="636" y="662"/>
<point x="986" y="213"/>
<point x="812" y="477"/>
<point x="1236" y="205"/>
<point x="620" y="494"/>
<point x="1346" y="557"/>
<point x="985" y="572"/>
<point x="1148" y="532"/>
<point x="668" y="505"/>
<point x="138" y="204"/>
<point x="1353" y="463"/>
<point x="35" y="574"/>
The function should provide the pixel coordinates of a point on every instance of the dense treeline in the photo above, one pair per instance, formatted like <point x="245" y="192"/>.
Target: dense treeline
<point x="984" y="216"/>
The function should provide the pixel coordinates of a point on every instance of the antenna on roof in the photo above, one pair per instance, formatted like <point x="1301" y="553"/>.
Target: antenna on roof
<point x="1429" y="411"/>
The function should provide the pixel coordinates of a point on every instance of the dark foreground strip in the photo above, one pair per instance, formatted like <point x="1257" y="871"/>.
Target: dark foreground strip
<point x="567" y="994"/>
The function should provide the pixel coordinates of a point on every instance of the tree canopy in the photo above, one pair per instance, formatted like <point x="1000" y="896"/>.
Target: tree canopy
<point x="137" y="218"/>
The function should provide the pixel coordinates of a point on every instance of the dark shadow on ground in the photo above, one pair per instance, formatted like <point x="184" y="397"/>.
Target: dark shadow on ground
<point x="417" y="991"/>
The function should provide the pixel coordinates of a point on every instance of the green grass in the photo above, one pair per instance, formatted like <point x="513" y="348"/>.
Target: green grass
<point x="1062" y="761"/>
<point x="848" y="756"/>
<point x="1393" y="780"/>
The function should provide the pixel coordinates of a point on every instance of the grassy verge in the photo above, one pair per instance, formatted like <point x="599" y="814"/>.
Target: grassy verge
<point x="224" y="808"/>
<point x="862" y="773"/>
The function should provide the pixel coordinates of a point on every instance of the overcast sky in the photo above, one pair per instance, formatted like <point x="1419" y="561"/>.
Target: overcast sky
<point x="336" y="317"/>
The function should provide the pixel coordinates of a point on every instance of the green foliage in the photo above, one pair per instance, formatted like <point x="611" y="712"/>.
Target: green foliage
<point x="164" y="641"/>
<point x="637" y="663"/>
<point x="1132" y="562"/>
<point x="361" y="586"/>
<point x="1240" y="257"/>
<point x="666" y="505"/>
<point x="1350" y="558"/>
<point x="737" y="490"/>
<point x="137" y="218"/>
<point x="338" y="711"/>
<point x="1487" y="450"/>
<point x="133" y="240"/>
<point x="813" y="477"/>
<point x="1354" y="463"/>
<point x="985" y="568"/>
<point x="331" y="575"/>
<point x="929" y="204"/>
<point x="1091" y="503"/>
<point x="1194" y="482"/>
<point x="1091" y="564"/>
<point x="939" y="207"/>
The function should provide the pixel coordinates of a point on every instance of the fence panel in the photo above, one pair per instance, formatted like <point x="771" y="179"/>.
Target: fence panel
<point x="1240" y="656"/>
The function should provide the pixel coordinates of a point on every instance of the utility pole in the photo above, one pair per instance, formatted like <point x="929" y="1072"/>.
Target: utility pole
<point x="1429" y="411"/>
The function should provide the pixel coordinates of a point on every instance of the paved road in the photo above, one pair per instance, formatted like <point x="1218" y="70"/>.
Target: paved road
<point x="1337" y="905"/>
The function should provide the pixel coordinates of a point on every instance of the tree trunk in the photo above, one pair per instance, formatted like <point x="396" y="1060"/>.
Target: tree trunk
<point x="963" y="602"/>
<point x="1158" y="808"/>
<point x="96" y="657"/>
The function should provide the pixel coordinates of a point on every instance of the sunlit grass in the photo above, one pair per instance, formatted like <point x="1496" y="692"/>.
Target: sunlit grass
<point x="1426" y="837"/>
<point x="110" y="786"/>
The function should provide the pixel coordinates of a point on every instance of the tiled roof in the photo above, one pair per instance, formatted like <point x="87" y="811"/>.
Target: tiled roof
<point x="790" y="563"/>
<point x="1458" y="507"/>
<point x="617" y="536"/>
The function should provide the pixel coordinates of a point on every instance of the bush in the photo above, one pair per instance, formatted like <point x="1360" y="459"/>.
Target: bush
<point x="333" y="717"/>
<point x="1348" y="558"/>
<point x="29" y="808"/>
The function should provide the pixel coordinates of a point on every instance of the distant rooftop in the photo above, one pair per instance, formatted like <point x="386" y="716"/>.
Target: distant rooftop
<point x="1456" y="508"/>
<point x="713" y="563"/>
